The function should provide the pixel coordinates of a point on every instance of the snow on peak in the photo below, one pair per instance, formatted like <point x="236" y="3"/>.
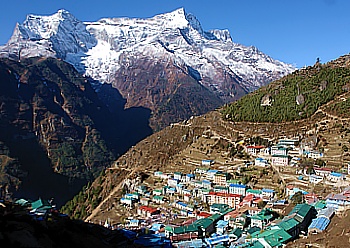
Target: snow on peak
<point x="96" y="47"/>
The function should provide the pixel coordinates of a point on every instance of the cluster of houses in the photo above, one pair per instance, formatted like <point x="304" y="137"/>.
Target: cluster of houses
<point x="220" y="211"/>
<point x="234" y="216"/>
<point x="285" y="152"/>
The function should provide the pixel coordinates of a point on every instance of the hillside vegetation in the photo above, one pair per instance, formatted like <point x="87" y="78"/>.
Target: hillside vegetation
<point x="296" y="96"/>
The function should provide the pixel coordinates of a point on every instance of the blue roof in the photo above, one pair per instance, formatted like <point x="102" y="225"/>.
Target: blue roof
<point x="182" y="203"/>
<point x="320" y="223"/>
<point x="268" y="190"/>
<point x="221" y="223"/>
<point x="217" y="239"/>
<point x="212" y="171"/>
<point x="190" y="175"/>
<point x="152" y="240"/>
<point x="336" y="174"/>
<point x="206" y="181"/>
<point x="237" y="185"/>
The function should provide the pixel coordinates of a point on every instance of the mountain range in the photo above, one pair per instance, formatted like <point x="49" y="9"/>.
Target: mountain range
<point x="166" y="63"/>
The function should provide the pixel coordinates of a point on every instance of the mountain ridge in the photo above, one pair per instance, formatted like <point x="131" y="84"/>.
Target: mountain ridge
<point x="115" y="50"/>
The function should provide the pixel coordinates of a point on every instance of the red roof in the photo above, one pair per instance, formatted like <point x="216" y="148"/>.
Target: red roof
<point x="204" y="214"/>
<point x="256" y="147"/>
<point x="224" y="194"/>
<point x="148" y="209"/>
<point x="248" y="197"/>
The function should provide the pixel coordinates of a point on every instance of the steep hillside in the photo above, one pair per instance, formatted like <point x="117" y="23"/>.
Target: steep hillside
<point x="52" y="120"/>
<point x="167" y="63"/>
<point x="296" y="96"/>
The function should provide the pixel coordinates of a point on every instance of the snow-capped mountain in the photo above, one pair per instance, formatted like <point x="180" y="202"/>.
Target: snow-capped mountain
<point x="143" y="56"/>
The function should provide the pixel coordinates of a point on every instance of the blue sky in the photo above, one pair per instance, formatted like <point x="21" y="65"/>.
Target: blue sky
<point x="293" y="31"/>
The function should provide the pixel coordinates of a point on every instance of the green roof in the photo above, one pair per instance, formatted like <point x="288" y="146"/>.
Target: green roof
<point x="237" y="232"/>
<point x="320" y="204"/>
<point x="254" y="244"/>
<point x="195" y="226"/>
<point x="265" y="214"/>
<point x="158" y="197"/>
<point x="301" y="210"/>
<point x="221" y="207"/>
<point x="280" y="156"/>
<point x="253" y="191"/>
<point x="41" y="204"/>
<point x="275" y="237"/>
<point x="288" y="224"/>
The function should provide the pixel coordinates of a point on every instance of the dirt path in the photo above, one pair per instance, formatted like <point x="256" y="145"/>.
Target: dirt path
<point x="114" y="191"/>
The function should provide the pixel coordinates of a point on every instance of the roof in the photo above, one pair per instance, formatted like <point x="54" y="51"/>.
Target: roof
<point x="41" y="204"/>
<point x="268" y="190"/>
<point x="336" y="174"/>
<point x="301" y="209"/>
<point x="256" y="147"/>
<point x="204" y="214"/>
<point x="253" y="191"/>
<point x="280" y="156"/>
<point x="275" y="237"/>
<point x="217" y="240"/>
<point x="288" y="224"/>
<point x="238" y="185"/>
<point x="148" y="209"/>
<point x="320" y="223"/>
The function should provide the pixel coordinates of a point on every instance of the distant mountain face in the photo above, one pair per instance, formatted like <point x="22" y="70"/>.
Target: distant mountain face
<point x="52" y="120"/>
<point x="166" y="63"/>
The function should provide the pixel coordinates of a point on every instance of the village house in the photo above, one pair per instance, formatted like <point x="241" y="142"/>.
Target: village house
<point x="315" y="179"/>
<point x="201" y="170"/>
<point x="336" y="177"/>
<point x="263" y="218"/>
<point x="279" y="150"/>
<point x="157" y="192"/>
<point x="256" y="192"/>
<point x="288" y="142"/>
<point x="322" y="220"/>
<point x="146" y="211"/>
<point x="339" y="201"/>
<point x="206" y="184"/>
<point x="314" y="154"/>
<point x="220" y="178"/>
<point x="267" y="193"/>
<point x="254" y="150"/>
<point x="200" y="228"/>
<point x="178" y="176"/>
<point x="172" y="182"/>
<point x="218" y="208"/>
<point x="144" y="201"/>
<point x="210" y="174"/>
<point x="159" y="199"/>
<point x="189" y="177"/>
<point x="207" y="162"/>
<point x="280" y="160"/>
<point x="223" y="198"/>
<point x="239" y="189"/>
<point x="322" y="171"/>
<point x="261" y="162"/>
<point x="220" y="189"/>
